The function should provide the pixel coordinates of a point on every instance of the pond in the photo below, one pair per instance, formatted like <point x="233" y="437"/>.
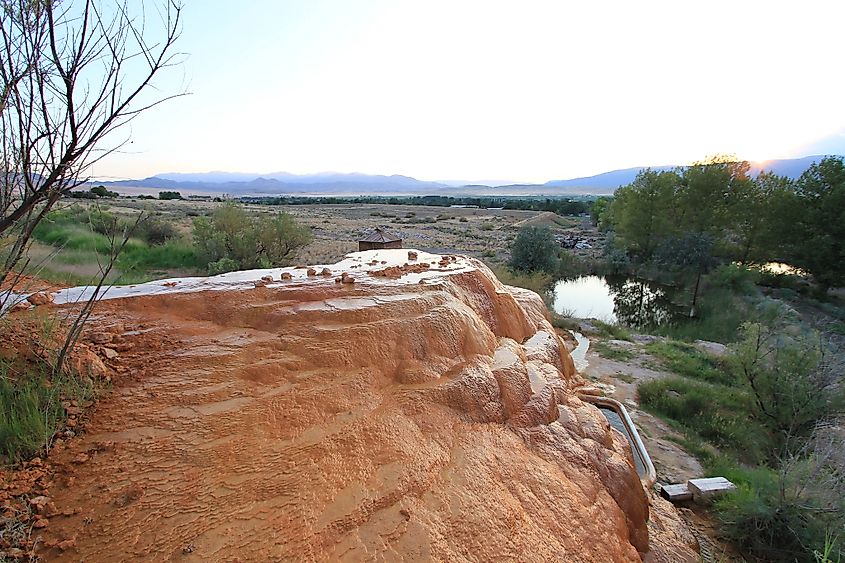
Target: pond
<point x="612" y="299"/>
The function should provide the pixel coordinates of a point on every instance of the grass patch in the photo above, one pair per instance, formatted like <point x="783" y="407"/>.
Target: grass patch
<point x="614" y="331"/>
<point x="687" y="360"/>
<point x="538" y="282"/>
<point x="564" y="323"/>
<point x="724" y="304"/>
<point x="31" y="410"/>
<point x="716" y="413"/>
<point x="626" y="377"/>
<point x="82" y="239"/>
<point x="616" y="353"/>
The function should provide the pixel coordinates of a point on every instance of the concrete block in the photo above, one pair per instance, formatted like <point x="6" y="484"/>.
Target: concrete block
<point x="705" y="489"/>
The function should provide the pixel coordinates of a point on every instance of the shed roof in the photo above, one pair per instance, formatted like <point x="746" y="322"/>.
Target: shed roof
<point x="380" y="235"/>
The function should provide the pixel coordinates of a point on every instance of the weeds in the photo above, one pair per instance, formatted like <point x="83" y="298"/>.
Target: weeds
<point x="614" y="331"/>
<point x="538" y="282"/>
<point x="616" y="353"/>
<point x="716" y="413"/>
<point x="31" y="409"/>
<point x="564" y="322"/>
<point x="688" y="361"/>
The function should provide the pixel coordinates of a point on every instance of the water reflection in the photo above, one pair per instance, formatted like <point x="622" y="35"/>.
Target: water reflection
<point x="611" y="299"/>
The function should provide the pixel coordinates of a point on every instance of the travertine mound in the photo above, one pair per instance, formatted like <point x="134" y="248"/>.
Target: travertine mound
<point x="429" y="416"/>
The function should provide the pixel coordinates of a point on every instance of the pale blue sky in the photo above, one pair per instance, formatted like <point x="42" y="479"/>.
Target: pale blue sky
<point x="486" y="89"/>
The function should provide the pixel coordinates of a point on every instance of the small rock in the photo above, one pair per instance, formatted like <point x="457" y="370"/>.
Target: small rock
<point x="81" y="458"/>
<point x="311" y="272"/>
<point x="338" y="280"/>
<point x="41" y="523"/>
<point x="169" y="284"/>
<point x="412" y="255"/>
<point x="66" y="544"/>
<point x="39" y="501"/>
<point x="713" y="348"/>
<point x="40" y="298"/>
<point x="267" y="279"/>
<point x="259" y="283"/>
<point x="71" y="423"/>
<point x="326" y="272"/>
<point x="405" y="513"/>
<point x="287" y="276"/>
<point x="100" y="337"/>
<point x="110" y="353"/>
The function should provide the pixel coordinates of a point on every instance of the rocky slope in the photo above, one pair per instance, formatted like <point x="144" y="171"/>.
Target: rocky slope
<point x="414" y="409"/>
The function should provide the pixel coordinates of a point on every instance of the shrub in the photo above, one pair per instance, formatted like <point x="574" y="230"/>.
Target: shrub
<point x="222" y="266"/>
<point x="169" y="195"/>
<point x="788" y="512"/>
<point x="794" y="379"/>
<point x="155" y="230"/>
<point x="246" y="242"/>
<point x="535" y="250"/>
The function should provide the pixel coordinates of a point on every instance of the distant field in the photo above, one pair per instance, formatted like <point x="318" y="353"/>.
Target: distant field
<point x="69" y="254"/>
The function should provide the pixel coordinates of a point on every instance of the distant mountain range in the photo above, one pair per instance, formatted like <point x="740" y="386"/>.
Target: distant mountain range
<point x="280" y="183"/>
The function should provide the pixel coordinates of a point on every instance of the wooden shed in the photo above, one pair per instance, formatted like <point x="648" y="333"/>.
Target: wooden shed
<point x="379" y="239"/>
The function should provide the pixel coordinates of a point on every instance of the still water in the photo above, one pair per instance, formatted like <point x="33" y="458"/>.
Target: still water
<point x="611" y="299"/>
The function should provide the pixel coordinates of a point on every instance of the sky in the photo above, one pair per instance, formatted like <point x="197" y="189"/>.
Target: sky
<point x="525" y="91"/>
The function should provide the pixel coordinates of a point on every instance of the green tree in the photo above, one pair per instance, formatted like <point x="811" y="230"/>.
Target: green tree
<point x="169" y="195"/>
<point x="709" y="192"/>
<point x="689" y="256"/>
<point x="535" y="249"/>
<point x="101" y="191"/>
<point x="818" y="245"/>
<point x="759" y="218"/>
<point x="643" y="212"/>
<point x="598" y="211"/>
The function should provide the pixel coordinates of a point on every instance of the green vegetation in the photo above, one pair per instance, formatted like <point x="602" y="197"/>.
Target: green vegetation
<point x="615" y="331"/>
<point x="535" y="250"/>
<point x="691" y="219"/>
<point x="86" y="236"/>
<point x="169" y="195"/>
<point x="688" y="361"/>
<point x="612" y="352"/>
<point x="31" y="409"/>
<point x="231" y="239"/>
<point x="564" y="205"/>
<point x="538" y="282"/>
<point x="564" y="322"/>
<point x="760" y="407"/>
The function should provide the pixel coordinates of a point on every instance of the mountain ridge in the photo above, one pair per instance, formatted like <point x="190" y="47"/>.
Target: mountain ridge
<point x="604" y="183"/>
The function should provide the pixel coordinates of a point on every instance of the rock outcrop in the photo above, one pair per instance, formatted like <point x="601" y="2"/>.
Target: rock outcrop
<point x="428" y="414"/>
